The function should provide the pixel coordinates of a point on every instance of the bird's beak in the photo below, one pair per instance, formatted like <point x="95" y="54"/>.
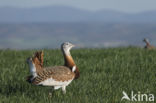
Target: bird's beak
<point x="73" y="45"/>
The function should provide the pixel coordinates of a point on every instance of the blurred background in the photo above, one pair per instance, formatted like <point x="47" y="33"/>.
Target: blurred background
<point x="30" y="24"/>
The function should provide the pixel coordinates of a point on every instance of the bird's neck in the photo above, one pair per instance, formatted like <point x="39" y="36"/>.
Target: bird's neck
<point x="147" y="43"/>
<point x="69" y="62"/>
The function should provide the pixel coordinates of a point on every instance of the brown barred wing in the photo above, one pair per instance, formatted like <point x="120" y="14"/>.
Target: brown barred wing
<point x="58" y="73"/>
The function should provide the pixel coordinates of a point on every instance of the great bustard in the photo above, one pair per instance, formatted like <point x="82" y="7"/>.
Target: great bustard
<point x="57" y="76"/>
<point x="148" y="45"/>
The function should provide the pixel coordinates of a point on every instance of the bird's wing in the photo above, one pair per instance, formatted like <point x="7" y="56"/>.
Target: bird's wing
<point x="39" y="55"/>
<point x="58" y="73"/>
<point x="38" y="60"/>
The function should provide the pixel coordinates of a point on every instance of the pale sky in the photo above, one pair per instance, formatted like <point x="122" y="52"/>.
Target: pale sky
<point x="130" y="6"/>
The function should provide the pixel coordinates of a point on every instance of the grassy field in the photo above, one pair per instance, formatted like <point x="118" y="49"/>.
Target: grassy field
<point x="105" y="73"/>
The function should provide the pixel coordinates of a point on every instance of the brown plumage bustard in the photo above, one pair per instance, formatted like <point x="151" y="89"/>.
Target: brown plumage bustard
<point x="56" y="76"/>
<point x="148" y="45"/>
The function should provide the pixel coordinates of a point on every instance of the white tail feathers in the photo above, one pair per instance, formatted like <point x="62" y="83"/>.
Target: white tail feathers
<point x="74" y="68"/>
<point x="32" y="68"/>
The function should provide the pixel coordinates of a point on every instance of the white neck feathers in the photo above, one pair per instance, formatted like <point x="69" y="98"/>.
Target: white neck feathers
<point x="32" y="69"/>
<point x="67" y="52"/>
<point x="74" y="68"/>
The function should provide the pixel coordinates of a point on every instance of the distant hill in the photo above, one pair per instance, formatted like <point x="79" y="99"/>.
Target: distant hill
<point x="51" y="35"/>
<point x="70" y="14"/>
<point x="47" y="27"/>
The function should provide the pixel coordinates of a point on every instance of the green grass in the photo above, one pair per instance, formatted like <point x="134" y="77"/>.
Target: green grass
<point x="105" y="73"/>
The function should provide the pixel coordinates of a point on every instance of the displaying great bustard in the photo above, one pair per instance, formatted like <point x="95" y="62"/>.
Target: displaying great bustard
<point x="148" y="45"/>
<point x="56" y="76"/>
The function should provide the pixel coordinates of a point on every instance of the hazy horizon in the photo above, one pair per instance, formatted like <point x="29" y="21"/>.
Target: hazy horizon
<point x="127" y="6"/>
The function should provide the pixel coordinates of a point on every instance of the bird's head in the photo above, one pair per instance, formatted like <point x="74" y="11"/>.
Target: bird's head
<point x="145" y="40"/>
<point x="66" y="46"/>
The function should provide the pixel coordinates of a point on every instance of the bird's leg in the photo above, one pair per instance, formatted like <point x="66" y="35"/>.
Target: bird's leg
<point x="64" y="89"/>
<point x="51" y="92"/>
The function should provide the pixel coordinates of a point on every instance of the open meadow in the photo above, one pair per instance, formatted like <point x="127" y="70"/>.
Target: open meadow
<point x="104" y="75"/>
